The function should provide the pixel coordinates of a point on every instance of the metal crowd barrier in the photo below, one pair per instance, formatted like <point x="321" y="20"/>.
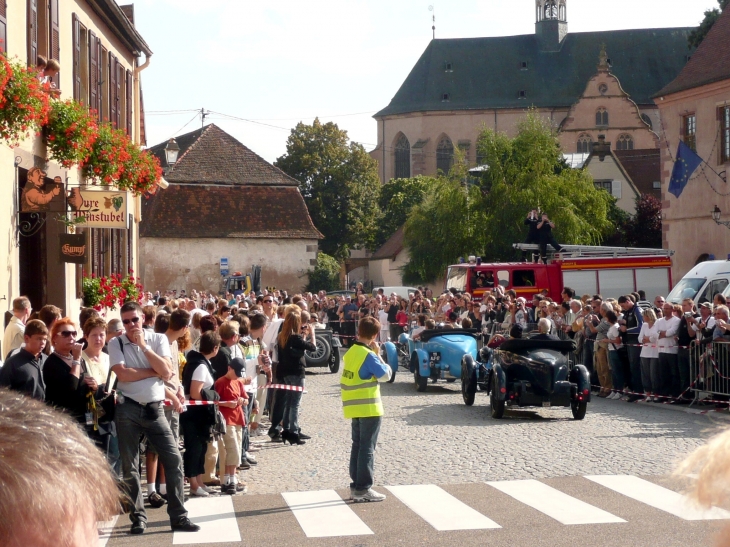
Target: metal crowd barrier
<point x="709" y="368"/>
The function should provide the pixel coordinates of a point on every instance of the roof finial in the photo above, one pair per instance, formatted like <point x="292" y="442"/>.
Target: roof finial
<point x="603" y="59"/>
<point x="433" y="28"/>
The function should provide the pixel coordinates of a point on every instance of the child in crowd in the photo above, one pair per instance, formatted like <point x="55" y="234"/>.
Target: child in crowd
<point x="233" y="396"/>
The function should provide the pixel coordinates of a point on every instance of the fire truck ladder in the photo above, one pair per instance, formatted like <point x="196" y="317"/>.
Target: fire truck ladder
<point x="588" y="251"/>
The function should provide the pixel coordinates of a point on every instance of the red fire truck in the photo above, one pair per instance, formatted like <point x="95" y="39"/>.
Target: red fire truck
<point x="609" y="271"/>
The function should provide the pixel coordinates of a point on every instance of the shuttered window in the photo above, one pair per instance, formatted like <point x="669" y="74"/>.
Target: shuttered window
<point x="3" y="26"/>
<point x="130" y="241"/>
<point x="76" y="36"/>
<point x="54" y="51"/>
<point x="130" y="89"/>
<point x="94" y="79"/>
<point x="113" y="90"/>
<point x="32" y="32"/>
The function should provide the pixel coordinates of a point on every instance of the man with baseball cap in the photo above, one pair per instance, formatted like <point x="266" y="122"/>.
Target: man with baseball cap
<point x="233" y="397"/>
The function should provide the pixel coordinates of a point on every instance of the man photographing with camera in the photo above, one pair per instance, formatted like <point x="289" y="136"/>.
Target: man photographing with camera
<point x="545" y="233"/>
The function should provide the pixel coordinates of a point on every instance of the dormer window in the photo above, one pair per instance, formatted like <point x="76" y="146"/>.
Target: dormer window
<point x="523" y="65"/>
<point x="448" y="67"/>
<point x="523" y="95"/>
<point x="446" y="97"/>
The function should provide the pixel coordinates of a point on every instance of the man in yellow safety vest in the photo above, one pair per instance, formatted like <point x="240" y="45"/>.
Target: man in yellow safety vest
<point x="361" y="402"/>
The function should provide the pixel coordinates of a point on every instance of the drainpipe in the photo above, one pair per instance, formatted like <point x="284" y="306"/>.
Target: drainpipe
<point x="138" y="124"/>
<point x="384" y="181"/>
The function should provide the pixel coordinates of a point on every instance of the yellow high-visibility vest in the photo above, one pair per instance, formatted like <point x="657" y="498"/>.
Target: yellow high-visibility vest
<point x="360" y="398"/>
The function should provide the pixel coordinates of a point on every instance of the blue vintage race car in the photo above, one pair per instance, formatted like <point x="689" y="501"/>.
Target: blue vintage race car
<point x="440" y="354"/>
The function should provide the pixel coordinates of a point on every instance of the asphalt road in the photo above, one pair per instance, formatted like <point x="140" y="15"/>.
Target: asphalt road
<point x="552" y="480"/>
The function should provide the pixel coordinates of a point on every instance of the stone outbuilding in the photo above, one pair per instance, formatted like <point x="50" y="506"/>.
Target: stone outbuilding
<point x="224" y="202"/>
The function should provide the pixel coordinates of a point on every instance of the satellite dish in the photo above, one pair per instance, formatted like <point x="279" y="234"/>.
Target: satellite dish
<point x="430" y="8"/>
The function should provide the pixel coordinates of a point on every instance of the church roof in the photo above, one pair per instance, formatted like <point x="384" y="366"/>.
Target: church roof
<point x="710" y="63"/>
<point x="488" y="72"/>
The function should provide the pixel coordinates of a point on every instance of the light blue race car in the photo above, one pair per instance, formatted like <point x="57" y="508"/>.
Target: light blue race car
<point x="441" y="354"/>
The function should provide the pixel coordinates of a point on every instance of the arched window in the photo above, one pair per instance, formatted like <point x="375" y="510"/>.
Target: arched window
<point x="601" y="116"/>
<point x="647" y="120"/>
<point x="625" y="142"/>
<point x="445" y="155"/>
<point x="403" y="158"/>
<point x="585" y="143"/>
<point x="563" y="12"/>
<point x="551" y="9"/>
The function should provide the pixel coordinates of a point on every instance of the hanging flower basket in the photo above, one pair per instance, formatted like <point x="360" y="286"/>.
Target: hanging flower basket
<point x="70" y="132"/>
<point x="25" y="102"/>
<point x="108" y="292"/>
<point x="108" y="153"/>
<point x="140" y="173"/>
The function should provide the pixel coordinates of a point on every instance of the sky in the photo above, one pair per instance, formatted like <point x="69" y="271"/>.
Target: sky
<point x="262" y="67"/>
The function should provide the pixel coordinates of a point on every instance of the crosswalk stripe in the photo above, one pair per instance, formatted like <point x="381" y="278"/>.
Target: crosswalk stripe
<point x="216" y="518"/>
<point x="440" y="509"/>
<point x="106" y="529"/>
<point x="554" y="503"/>
<point x="658" y="497"/>
<point x="322" y="513"/>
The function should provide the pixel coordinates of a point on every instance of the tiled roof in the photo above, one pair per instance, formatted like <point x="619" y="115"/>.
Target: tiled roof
<point x="644" y="168"/>
<point x="710" y="63"/>
<point x="213" y="211"/>
<point x="390" y="248"/>
<point x="487" y="72"/>
<point x="212" y="156"/>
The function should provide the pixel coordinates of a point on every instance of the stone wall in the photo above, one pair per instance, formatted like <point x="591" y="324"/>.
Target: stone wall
<point x="195" y="263"/>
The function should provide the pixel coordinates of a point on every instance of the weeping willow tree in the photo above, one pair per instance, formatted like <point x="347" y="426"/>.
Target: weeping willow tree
<point x="460" y="215"/>
<point x="529" y="172"/>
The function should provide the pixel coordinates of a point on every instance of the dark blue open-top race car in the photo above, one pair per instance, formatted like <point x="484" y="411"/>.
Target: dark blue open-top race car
<point x="437" y="354"/>
<point x="529" y="372"/>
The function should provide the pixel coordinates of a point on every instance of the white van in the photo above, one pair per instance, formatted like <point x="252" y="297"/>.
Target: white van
<point x="403" y="292"/>
<point x="702" y="283"/>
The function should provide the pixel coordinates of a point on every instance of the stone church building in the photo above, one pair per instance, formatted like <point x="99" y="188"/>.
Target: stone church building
<point x="586" y="84"/>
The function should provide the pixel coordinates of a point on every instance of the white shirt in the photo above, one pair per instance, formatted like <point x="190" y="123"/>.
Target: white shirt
<point x="649" y="351"/>
<point x="269" y="339"/>
<point x="613" y="333"/>
<point x="148" y="390"/>
<point x="13" y="338"/>
<point x="670" y="326"/>
<point x="202" y="374"/>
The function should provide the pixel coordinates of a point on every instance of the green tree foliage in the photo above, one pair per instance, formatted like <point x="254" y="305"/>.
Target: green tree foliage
<point x="459" y="218"/>
<point x="397" y="198"/>
<point x="528" y="171"/>
<point x="644" y="229"/>
<point x="339" y="182"/>
<point x="711" y="16"/>
<point x="325" y="276"/>
<point x="446" y="225"/>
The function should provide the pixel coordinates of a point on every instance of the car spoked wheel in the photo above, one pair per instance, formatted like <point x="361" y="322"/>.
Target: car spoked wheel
<point x="495" y="403"/>
<point x="421" y="381"/>
<point x="321" y="354"/>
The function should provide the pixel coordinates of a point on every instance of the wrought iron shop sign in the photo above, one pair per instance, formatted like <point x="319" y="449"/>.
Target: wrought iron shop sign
<point x="100" y="209"/>
<point x="73" y="248"/>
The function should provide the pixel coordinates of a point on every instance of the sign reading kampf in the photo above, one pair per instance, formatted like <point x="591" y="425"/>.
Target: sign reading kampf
<point x="101" y="209"/>
<point x="73" y="248"/>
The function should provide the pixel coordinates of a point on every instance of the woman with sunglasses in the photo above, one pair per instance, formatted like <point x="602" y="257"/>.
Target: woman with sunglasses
<point x="69" y="386"/>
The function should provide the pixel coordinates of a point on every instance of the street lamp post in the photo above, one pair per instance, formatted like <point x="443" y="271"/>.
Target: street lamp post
<point x="716" y="217"/>
<point x="171" y="151"/>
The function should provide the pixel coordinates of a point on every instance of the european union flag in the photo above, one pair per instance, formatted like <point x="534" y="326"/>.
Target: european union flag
<point x="687" y="162"/>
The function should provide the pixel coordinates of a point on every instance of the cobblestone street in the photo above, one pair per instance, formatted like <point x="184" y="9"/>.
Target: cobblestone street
<point x="433" y="437"/>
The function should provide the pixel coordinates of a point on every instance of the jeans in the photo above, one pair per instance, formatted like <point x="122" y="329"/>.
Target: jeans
<point x="196" y="430"/>
<point x="292" y="400"/>
<point x="636" y="383"/>
<point x="362" y="456"/>
<point x="617" y="370"/>
<point x="133" y="420"/>
<point x="667" y="363"/>
<point x="245" y="437"/>
<point x="648" y="367"/>
<point x="683" y="369"/>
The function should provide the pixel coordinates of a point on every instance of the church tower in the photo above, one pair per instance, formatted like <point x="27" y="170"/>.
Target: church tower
<point x="551" y="24"/>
